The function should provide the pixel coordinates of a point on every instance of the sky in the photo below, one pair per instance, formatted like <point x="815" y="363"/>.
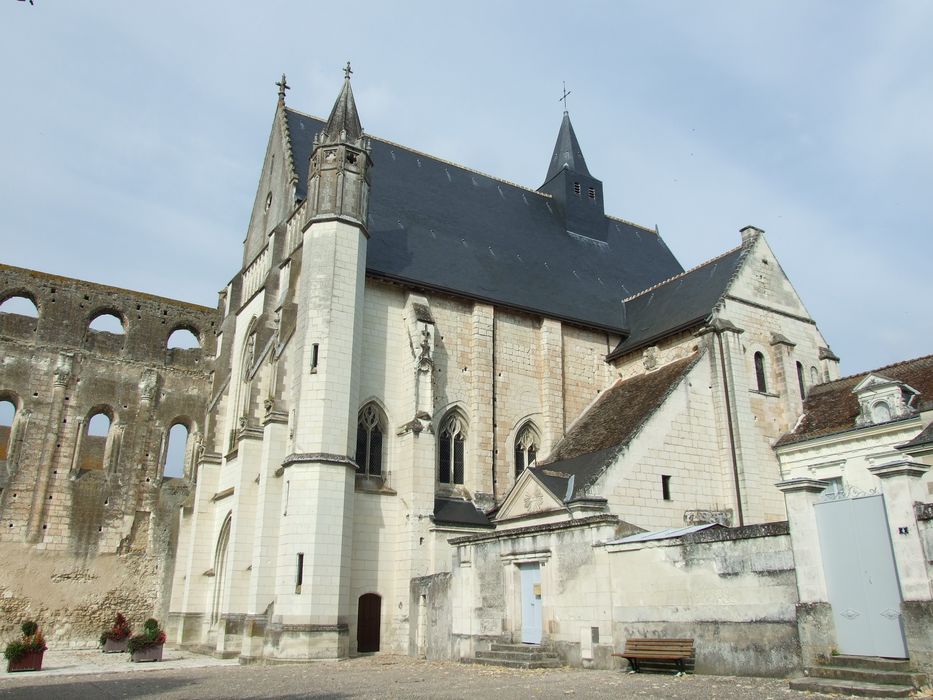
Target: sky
<point x="132" y="134"/>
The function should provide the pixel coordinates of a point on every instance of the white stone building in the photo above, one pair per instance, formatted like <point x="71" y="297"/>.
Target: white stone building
<point x="439" y="397"/>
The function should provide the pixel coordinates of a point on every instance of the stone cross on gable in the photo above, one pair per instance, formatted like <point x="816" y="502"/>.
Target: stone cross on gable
<point x="283" y="86"/>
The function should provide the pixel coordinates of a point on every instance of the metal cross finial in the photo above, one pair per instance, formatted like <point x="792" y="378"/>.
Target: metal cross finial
<point x="563" y="97"/>
<point x="347" y="71"/>
<point x="283" y="86"/>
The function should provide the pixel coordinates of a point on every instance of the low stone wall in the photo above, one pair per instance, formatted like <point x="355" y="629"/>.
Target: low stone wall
<point x="732" y="590"/>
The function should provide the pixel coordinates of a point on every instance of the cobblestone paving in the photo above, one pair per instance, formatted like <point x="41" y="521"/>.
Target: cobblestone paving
<point x="383" y="676"/>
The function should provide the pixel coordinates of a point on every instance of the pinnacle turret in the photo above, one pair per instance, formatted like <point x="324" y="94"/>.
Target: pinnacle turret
<point x="344" y="118"/>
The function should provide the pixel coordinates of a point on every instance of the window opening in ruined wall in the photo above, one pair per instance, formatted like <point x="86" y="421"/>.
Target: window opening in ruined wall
<point x="108" y="323"/>
<point x="760" y="372"/>
<point x="7" y="415"/>
<point x="20" y="305"/>
<point x="175" y="452"/>
<point x="183" y="339"/>
<point x="93" y="450"/>
<point x="370" y="444"/>
<point x="526" y="448"/>
<point x="451" y="453"/>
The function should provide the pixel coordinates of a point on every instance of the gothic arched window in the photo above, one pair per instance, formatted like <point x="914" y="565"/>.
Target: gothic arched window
<point x="451" y="454"/>
<point x="526" y="448"/>
<point x="800" y="385"/>
<point x="369" y="441"/>
<point x="760" y="372"/>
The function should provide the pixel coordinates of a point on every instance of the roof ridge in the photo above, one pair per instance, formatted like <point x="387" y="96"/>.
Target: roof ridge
<point x="632" y="223"/>
<point x="865" y="373"/>
<point x="684" y="273"/>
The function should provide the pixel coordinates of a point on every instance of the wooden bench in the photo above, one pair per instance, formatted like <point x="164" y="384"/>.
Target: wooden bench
<point x="669" y="650"/>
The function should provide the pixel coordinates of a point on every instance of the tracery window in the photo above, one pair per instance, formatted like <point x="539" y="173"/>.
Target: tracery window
<point x="369" y="441"/>
<point x="451" y="454"/>
<point x="526" y="448"/>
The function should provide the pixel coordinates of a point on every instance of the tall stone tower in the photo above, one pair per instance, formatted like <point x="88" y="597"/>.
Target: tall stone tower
<point x="312" y="602"/>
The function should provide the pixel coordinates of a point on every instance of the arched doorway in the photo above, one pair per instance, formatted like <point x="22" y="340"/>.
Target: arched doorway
<point x="367" y="622"/>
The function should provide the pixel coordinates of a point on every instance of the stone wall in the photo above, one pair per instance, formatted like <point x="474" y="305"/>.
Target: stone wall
<point x="89" y="523"/>
<point x="733" y="591"/>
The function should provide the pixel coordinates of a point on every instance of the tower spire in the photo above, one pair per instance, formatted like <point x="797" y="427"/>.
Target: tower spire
<point x="567" y="151"/>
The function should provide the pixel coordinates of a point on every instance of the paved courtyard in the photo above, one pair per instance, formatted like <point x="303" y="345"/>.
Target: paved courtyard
<point x="75" y="675"/>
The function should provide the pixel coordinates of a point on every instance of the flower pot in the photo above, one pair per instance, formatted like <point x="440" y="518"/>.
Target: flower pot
<point x="30" y="661"/>
<point x="116" y="646"/>
<point x="150" y="653"/>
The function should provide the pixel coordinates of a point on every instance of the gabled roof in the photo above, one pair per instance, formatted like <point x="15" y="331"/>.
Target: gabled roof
<point x="567" y="152"/>
<point x="678" y="303"/>
<point x="594" y="440"/>
<point x="441" y="226"/>
<point x="833" y="407"/>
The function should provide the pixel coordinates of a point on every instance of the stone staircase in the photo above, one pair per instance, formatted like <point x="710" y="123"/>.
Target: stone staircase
<point x="861" y="675"/>
<point x="516" y="656"/>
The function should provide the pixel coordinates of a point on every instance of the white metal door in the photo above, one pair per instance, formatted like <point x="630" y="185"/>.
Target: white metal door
<point x="531" y="603"/>
<point x="861" y="578"/>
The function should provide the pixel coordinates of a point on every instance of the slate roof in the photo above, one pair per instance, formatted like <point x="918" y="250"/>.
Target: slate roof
<point x="611" y="422"/>
<point x="441" y="226"/>
<point x="678" y="303"/>
<point x="832" y="407"/>
<point x="455" y="512"/>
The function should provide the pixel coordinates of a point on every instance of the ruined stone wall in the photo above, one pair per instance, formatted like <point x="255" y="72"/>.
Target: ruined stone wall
<point x="89" y="523"/>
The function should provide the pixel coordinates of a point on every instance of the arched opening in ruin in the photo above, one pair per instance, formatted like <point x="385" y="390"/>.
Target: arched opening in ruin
<point x="107" y="322"/>
<point x="93" y="452"/>
<point x="21" y="305"/>
<point x="175" y="452"/>
<point x="183" y="339"/>
<point x="7" y="414"/>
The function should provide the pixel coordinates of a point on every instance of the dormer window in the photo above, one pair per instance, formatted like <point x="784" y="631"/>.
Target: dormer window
<point x="882" y="399"/>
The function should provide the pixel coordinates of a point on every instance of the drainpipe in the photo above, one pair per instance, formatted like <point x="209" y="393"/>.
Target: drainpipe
<point x="735" y="461"/>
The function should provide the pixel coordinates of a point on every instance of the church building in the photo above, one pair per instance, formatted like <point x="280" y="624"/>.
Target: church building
<point x="440" y="397"/>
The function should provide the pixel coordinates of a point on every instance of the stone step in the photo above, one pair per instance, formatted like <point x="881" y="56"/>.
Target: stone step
<point x="554" y="663"/>
<point x="519" y="648"/>
<point x="517" y="656"/>
<point x="869" y="675"/>
<point x="862" y="689"/>
<point x="875" y="662"/>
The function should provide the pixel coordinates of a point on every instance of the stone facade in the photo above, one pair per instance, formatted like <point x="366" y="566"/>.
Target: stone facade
<point x="90" y="522"/>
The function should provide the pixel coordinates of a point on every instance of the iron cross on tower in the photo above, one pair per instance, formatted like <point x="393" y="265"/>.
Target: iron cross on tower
<point x="563" y="97"/>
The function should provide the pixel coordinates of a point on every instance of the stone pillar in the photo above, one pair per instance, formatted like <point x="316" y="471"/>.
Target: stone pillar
<point x="815" y="625"/>
<point x="901" y="485"/>
<point x="900" y="482"/>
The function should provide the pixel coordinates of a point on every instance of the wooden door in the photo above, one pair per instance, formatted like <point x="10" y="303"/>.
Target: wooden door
<point x="367" y="622"/>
